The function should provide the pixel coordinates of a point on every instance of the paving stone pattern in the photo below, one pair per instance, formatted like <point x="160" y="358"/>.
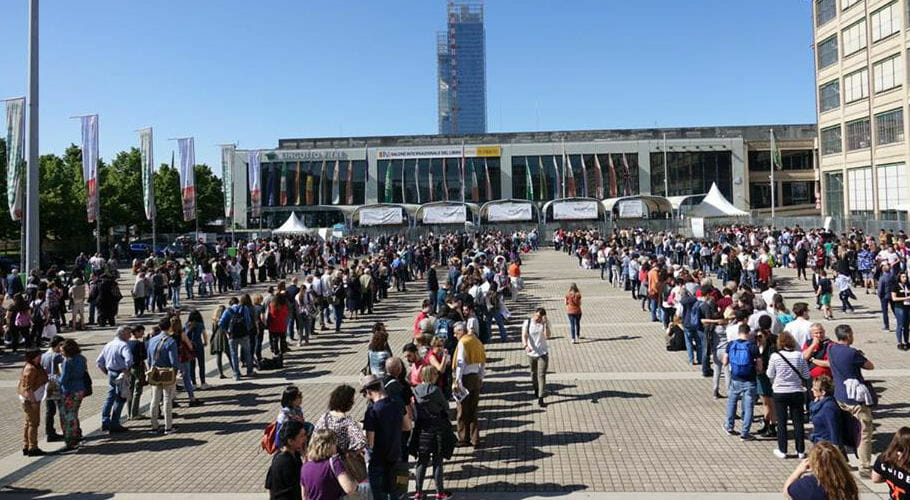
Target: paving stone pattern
<point x="658" y="430"/>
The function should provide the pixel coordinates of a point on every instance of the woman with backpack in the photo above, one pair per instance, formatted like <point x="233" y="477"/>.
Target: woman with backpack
<point x="40" y="316"/>
<point x="788" y="372"/>
<point x="219" y="344"/>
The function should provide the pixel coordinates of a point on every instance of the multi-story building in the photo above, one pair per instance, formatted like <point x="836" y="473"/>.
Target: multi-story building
<point x="461" y="71"/>
<point x="321" y="176"/>
<point x="860" y="57"/>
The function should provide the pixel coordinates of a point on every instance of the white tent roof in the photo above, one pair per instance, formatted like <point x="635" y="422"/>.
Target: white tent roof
<point x="292" y="226"/>
<point x="715" y="205"/>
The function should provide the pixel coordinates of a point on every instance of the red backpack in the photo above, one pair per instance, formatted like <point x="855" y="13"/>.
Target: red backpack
<point x="268" y="438"/>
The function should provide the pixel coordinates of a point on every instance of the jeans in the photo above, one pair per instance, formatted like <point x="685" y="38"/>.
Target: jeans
<point x="705" y="350"/>
<point x="792" y="403"/>
<point x="188" y="386"/>
<point x="175" y="296"/>
<point x="189" y="289"/>
<point x="199" y="360"/>
<point x="652" y="306"/>
<point x="500" y="322"/>
<point x="339" y="315"/>
<point x="901" y="318"/>
<point x="746" y="391"/>
<point x="886" y="302"/>
<point x="235" y="345"/>
<point x="381" y="480"/>
<point x="113" y="405"/>
<point x="50" y="411"/>
<point x="694" y="352"/>
<point x="575" y="325"/>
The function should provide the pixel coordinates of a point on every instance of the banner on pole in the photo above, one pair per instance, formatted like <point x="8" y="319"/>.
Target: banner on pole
<point x="90" y="164"/>
<point x="15" y="155"/>
<point x="227" y="178"/>
<point x="148" y="172"/>
<point x="509" y="212"/>
<point x="575" y="210"/>
<point x="381" y="216"/>
<point x="187" y="177"/>
<point x="255" y="189"/>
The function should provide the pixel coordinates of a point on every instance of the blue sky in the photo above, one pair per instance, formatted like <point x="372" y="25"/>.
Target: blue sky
<point x="252" y="72"/>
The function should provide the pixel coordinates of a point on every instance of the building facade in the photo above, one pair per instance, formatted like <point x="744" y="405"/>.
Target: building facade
<point x="861" y="48"/>
<point x="461" y="71"/>
<point x="323" y="175"/>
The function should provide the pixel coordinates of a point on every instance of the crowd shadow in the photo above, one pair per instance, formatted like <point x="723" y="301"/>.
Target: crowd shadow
<point x="13" y="493"/>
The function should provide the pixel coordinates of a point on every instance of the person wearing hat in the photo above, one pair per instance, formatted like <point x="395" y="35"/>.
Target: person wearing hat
<point x="383" y="423"/>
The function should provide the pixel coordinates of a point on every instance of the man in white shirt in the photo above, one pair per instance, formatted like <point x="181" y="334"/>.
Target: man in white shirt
<point x="800" y="327"/>
<point x="761" y="309"/>
<point x="534" y="335"/>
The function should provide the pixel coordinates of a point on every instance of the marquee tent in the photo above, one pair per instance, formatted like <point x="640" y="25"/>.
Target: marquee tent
<point x="715" y="205"/>
<point x="292" y="226"/>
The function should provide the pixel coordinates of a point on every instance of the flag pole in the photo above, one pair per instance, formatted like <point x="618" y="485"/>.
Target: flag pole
<point x="31" y="220"/>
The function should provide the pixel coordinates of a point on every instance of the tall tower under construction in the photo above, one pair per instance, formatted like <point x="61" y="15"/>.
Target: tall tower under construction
<point x="462" y="70"/>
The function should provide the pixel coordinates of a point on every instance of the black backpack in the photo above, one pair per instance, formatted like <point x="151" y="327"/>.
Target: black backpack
<point x="237" y="326"/>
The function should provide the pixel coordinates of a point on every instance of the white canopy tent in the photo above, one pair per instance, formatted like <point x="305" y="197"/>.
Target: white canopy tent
<point x="715" y="205"/>
<point x="292" y="226"/>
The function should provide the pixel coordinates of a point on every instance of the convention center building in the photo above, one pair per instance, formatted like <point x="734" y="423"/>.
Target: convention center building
<point x="439" y="178"/>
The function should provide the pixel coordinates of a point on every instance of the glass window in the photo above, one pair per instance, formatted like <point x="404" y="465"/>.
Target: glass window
<point x="858" y="134"/>
<point x="889" y="127"/>
<point x="846" y="4"/>
<point x="859" y="184"/>
<point x="797" y="159"/>
<point x="885" y="22"/>
<point x="834" y="193"/>
<point x="887" y="74"/>
<point x="892" y="185"/>
<point x="856" y="86"/>
<point x="825" y="10"/>
<point x="827" y="52"/>
<point x="760" y="195"/>
<point x="831" y="140"/>
<point x="796" y="193"/>
<point x="693" y="172"/>
<point x="829" y="96"/>
<point x="854" y="38"/>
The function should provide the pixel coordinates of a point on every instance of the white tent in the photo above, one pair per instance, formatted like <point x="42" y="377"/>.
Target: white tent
<point x="292" y="226"/>
<point x="715" y="205"/>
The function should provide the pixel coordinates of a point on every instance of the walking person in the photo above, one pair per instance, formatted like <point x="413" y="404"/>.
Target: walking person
<point x="32" y="384"/>
<point x="900" y="299"/>
<point x="534" y="335"/>
<point x="468" y="363"/>
<point x="573" y="310"/>
<point x="73" y="387"/>
<point x="789" y="372"/>
<point x="115" y="361"/>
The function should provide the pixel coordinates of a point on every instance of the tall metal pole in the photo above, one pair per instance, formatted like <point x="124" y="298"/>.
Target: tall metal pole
<point x="32" y="238"/>
<point x="666" y="169"/>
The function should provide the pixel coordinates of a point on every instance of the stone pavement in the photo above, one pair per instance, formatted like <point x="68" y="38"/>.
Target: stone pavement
<point x="626" y="418"/>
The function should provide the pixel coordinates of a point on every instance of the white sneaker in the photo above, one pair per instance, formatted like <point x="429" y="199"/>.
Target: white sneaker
<point x="801" y="456"/>
<point x="779" y="454"/>
<point x="202" y="387"/>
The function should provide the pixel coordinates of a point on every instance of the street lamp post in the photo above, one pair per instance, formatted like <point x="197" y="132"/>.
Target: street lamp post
<point x="32" y="238"/>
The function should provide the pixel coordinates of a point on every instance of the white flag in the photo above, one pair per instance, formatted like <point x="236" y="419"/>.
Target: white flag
<point x="187" y="177"/>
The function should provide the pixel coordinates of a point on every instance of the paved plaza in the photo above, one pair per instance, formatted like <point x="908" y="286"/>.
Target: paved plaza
<point x="626" y="418"/>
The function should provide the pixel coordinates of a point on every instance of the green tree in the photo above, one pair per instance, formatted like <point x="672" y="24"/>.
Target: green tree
<point x="62" y="194"/>
<point x="121" y="193"/>
<point x="169" y="200"/>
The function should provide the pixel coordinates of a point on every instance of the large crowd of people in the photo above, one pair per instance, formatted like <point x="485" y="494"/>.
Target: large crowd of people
<point x="718" y="299"/>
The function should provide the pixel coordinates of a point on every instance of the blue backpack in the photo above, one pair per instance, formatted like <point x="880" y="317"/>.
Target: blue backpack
<point x="741" y="364"/>
<point x="443" y="328"/>
<point x="692" y="318"/>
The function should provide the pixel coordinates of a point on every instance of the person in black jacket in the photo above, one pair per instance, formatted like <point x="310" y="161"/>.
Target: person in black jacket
<point x="283" y="478"/>
<point x="432" y="287"/>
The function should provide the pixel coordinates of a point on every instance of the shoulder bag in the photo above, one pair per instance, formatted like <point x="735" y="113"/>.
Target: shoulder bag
<point x="157" y="375"/>
<point x="798" y="374"/>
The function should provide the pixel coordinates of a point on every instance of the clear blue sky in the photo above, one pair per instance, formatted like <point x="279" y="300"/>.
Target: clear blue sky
<point x="256" y="71"/>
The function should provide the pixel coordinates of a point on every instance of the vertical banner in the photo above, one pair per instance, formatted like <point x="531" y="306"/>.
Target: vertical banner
<point x="613" y="191"/>
<point x="544" y="188"/>
<point x="254" y="180"/>
<point x="90" y="164"/>
<point x="297" y="189"/>
<point x="626" y="177"/>
<point x="475" y="187"/>
<point x="445" y="181"/>
<point x="227" y="178"/>
<point x="462" y="167"/>
<point x="570" y="177"/>
<point x="529" y="187"/>
<point x="432" y="186"/>
<point x="388" y="182"/>
<point x="404" y="185"/>
<point x="187" y="176"/>
<point x="584" y="177"/>
<point x="486" y="173"/>
<point x="15" y="155"/>
<point x="350" y="183"/>
<point x="336" y="184"/>
<point x="598" y="179"/>
<point x="147" y="159"/>
<point x="417" y="178"/>
<point x="283" y="185"/>
<point x="558" y="179"/>
<point x="321" y="183"/>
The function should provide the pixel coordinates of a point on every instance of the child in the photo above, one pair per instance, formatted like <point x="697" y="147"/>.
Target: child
<point x="823" y="292"/>
<point x="845" y="287"/>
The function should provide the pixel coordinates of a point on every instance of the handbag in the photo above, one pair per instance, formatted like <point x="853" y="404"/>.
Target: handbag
<point x="362" y="492"/>
<point x="355" y="465"/>
<point x="400" y="475"/>
<point x="87" y="382"/>
<point x="157" y="375"/>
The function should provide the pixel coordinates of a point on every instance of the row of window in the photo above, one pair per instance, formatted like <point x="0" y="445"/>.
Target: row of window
<point x="884" y="23"/>
<point x="790" y="194"/>
<point x="886" y="75"/>
<point x="892" y="190"/>
<point x="545" y="177"/>
<point x="798" y="159"/>
<point x="438" y="179"/>
<point x="313" y="183"/>
<point x="889" y="129"/>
